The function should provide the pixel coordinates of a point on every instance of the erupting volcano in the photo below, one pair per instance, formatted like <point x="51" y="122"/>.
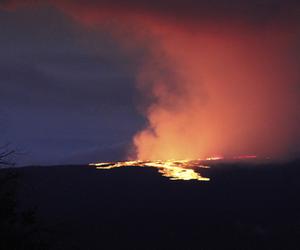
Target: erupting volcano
<point x="150" y="124"/>
<point x="213" y="79"/>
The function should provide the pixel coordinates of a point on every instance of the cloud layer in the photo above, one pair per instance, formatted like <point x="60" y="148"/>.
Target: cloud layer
<point x="222" y="76"/>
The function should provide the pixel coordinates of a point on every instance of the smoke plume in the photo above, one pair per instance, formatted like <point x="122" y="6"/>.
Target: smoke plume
<point x="223" y="78"/>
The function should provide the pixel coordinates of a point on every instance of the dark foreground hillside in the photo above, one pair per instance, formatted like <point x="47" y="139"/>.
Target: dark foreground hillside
<point x="242" y="207"/>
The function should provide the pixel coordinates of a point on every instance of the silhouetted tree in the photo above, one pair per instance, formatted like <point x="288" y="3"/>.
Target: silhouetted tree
<point x="19" y="229"/>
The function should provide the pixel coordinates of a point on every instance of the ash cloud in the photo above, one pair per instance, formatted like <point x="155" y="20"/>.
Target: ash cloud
<point x="233" y="65"/>
<point x="254" y="11"/>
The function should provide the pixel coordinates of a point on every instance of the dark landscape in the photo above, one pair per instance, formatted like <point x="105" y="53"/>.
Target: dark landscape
<point x="244" y="206"/>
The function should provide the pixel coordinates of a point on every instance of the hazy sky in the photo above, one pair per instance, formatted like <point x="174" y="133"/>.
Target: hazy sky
<point x="78" y="77"/>
<point x="67" y="94"/>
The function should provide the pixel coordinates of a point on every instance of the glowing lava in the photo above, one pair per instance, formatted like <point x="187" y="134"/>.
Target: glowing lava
<point x="172" y="169"/>
<point x="175" y="169"/>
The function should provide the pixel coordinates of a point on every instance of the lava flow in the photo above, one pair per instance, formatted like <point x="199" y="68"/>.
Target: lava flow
<point x="172" y="169"/>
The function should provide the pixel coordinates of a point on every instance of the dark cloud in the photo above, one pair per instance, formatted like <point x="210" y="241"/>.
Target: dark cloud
<point x="64" y="90"/>
<point x="255" y="11"/>
<point x="53" y="66"/>
<point x="76" y="88"/>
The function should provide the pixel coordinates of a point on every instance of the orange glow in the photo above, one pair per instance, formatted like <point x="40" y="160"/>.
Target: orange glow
<point x="245" y="157"/>
<point x="174" y="169"/>
<point x="218" y="87"/>
<point x="214" y="158"/>
<point x="219" y="84"/>
<point x="229" y="96"/>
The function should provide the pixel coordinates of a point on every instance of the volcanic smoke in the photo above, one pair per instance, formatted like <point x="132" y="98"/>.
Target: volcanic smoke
<point x="227" y="93"/>
<point x="221" y="80"/>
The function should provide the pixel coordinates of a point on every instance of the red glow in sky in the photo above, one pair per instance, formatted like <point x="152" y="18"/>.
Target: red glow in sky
<point x="222" y="83"/>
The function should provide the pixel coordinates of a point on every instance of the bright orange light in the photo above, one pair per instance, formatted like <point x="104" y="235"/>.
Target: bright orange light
<point x="214" y="158"/>
<point x="174" y="170"/>
<point x="219" y="83"/>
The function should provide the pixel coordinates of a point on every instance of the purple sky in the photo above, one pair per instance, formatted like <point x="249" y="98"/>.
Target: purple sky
<point x="67" y="94"/>
<point x="68" y="91"/>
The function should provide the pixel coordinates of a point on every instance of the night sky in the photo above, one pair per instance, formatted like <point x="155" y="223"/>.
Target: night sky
<point x="67" y="94"/>
<point x="68" y="85"/>
<point x="150" y="124"/>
